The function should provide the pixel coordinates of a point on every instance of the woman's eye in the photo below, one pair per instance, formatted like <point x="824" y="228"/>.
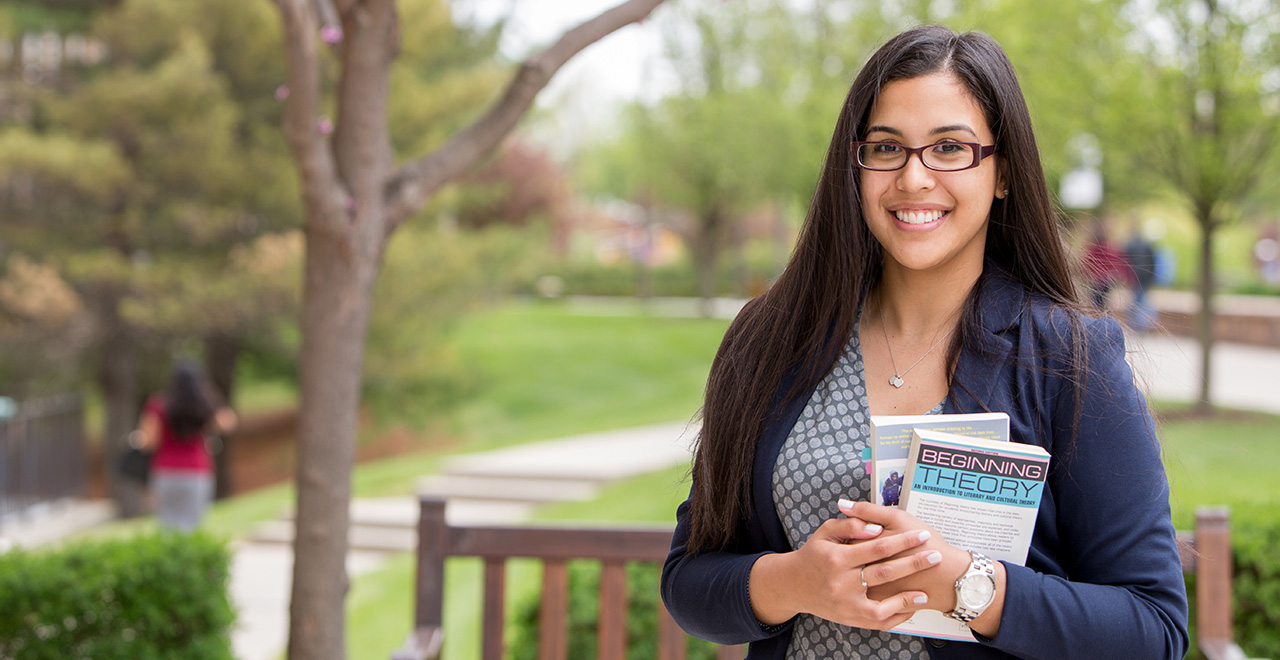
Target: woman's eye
<point x="948" y="148"/>
<point x="887" y="149"/>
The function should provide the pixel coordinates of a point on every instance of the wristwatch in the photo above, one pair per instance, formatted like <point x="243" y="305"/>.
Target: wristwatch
<point x="975" y="590"/>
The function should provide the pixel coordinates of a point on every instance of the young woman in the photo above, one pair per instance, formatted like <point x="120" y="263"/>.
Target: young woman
<point x="930" y="276"/>
<point x="173" y="425"/>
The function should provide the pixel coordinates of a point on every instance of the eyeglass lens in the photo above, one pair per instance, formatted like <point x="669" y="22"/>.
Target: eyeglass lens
<point x="940" y="156"/>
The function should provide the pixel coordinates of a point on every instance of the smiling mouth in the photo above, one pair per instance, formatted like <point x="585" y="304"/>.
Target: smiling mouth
<point x="918" y="217"/>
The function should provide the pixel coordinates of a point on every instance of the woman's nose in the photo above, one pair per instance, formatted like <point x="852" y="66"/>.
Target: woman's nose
<point x="914" y="175"/>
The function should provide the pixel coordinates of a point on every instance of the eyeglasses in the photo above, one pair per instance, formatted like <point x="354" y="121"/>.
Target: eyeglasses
<point x="939" y="156"/>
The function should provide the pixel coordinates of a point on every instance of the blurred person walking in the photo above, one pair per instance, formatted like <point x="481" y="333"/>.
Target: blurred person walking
<point x="1103" y="265"/>
<point x="175" y="425"/>
<point x="1141" y="255"/>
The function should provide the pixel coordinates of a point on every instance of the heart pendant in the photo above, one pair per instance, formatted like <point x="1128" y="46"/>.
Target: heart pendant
<point x="895" y="380"/>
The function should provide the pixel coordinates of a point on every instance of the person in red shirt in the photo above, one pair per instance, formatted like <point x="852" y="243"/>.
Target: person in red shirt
<point x="173" y="425"/>
<point x="1104" y="267"/>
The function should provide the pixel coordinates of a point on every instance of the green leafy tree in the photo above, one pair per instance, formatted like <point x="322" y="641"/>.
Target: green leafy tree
<point x="741" y="132"/>
<point x="142" y="173"/>
<point x="1206" y="119"/>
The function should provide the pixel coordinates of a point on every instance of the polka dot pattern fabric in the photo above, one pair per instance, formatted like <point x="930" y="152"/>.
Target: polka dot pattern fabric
<point x="821" y="462"/>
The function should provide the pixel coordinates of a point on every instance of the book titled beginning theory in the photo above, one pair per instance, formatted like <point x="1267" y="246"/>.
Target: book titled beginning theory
<point x="980" y="491"/>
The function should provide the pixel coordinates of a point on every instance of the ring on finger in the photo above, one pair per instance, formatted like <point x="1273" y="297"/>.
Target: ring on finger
<point x="862" y="575"/>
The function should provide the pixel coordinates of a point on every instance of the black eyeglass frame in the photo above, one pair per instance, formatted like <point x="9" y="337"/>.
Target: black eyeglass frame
<point x="980" y="152"/>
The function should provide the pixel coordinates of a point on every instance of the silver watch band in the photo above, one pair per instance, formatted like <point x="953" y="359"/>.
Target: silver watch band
<point x="979" y="567"/>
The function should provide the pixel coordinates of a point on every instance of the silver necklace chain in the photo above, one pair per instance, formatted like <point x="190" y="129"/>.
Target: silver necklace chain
<point x="896" y="379"/>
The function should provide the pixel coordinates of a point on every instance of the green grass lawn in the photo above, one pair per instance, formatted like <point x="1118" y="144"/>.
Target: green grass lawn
<point x="542" y="370"/>
<point x="547" y="371"/>
<point x="1230" y="460"/>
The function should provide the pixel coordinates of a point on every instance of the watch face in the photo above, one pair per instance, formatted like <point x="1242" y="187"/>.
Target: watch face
<point x="977" y="591"/>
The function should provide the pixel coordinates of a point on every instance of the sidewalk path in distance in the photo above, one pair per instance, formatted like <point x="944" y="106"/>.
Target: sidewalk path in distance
<point x="1244" y="377"/>
<point x="500" y="486"/>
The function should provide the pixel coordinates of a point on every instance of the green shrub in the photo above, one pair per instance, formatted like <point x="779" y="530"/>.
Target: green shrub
<point x="1254" y="539"/>
<point x="1255" y="586"/>
<point x="153" y="596"/>
<point x="674" y="279"/>
<point x="584" y="609"/>
<point x="431" y="280"/>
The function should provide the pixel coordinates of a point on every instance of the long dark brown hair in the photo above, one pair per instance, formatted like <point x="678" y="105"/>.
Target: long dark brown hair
<point x="189" y="402"/>
<point x="801" y="323"/>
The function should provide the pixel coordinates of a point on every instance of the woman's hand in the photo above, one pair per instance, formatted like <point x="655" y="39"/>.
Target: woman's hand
<point x="826" y="577"/>
<point x="147" y="436"/>
<point x="225" y="420"/>
<point x="884" y="580"/>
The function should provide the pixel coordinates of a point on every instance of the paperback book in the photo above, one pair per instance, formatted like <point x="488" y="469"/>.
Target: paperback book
<point x="891" y="439"/>
<point x="979" y="494"/>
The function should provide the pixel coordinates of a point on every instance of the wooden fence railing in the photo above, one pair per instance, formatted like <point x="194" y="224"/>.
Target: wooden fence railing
<point x="1206" y="551"/>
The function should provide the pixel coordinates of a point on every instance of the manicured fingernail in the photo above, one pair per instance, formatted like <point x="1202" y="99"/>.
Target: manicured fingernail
<point x="925" y="536"/>
<point x="920" y="600"/>
<point x="874" y="528"/>
<point x="844" y="504"/>
<point x="934" y="557"/>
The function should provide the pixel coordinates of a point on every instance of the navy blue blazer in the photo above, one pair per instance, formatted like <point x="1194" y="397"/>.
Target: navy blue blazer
<point x="1103" y="578"/>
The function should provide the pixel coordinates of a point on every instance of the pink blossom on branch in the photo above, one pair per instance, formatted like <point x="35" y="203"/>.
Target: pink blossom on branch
<point x="331" y="34"/>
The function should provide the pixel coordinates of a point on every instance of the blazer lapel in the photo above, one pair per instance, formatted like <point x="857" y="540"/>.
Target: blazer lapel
<point x="987" y="361"/>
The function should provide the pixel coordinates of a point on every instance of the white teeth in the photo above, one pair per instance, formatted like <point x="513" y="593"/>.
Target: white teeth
<point x="918" y="217"/>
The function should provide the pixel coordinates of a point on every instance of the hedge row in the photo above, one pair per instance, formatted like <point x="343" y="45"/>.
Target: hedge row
<point x="154" y="596"/>
<point x="1254" y="540"/>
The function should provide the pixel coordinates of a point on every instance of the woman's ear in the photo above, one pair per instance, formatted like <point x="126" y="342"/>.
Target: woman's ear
<point x="1002" y="184"/>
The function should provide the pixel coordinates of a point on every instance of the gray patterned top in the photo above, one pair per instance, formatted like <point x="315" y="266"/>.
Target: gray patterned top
<point x="820" y="462"/>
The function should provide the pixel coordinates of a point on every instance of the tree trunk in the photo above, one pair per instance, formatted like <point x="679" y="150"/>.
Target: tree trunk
<point x="1204" y="329"/>
<point x="335" y="318"/>
<point x="741" y="267"/>
<point x="644" y="267"/>
<point x="220" y="353"/>
<point x="352" y="203"/>
<point x="345" y="242"/>
<point x="781" y="236"/>
<point x="118" y="378"/>
<point x="706" y="256"/>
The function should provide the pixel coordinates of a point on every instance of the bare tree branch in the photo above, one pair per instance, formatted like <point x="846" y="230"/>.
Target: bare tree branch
<point x="321" y="191"/>
<point x="410" y="187"/>
<point x="328" y="13"/>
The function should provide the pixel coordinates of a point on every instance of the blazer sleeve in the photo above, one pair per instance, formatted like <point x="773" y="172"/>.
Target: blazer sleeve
<point x="707" y="593"/>
<point x="1122" y="593"/>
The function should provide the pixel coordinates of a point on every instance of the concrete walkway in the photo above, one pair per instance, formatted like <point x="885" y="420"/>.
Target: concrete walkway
<point x="1244" y="377"/>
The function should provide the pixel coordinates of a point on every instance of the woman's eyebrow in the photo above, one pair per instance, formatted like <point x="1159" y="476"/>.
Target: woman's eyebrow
<point x="954" y="127"/>
<point x="884" y="129"/>
<point x="937" y="131"/>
